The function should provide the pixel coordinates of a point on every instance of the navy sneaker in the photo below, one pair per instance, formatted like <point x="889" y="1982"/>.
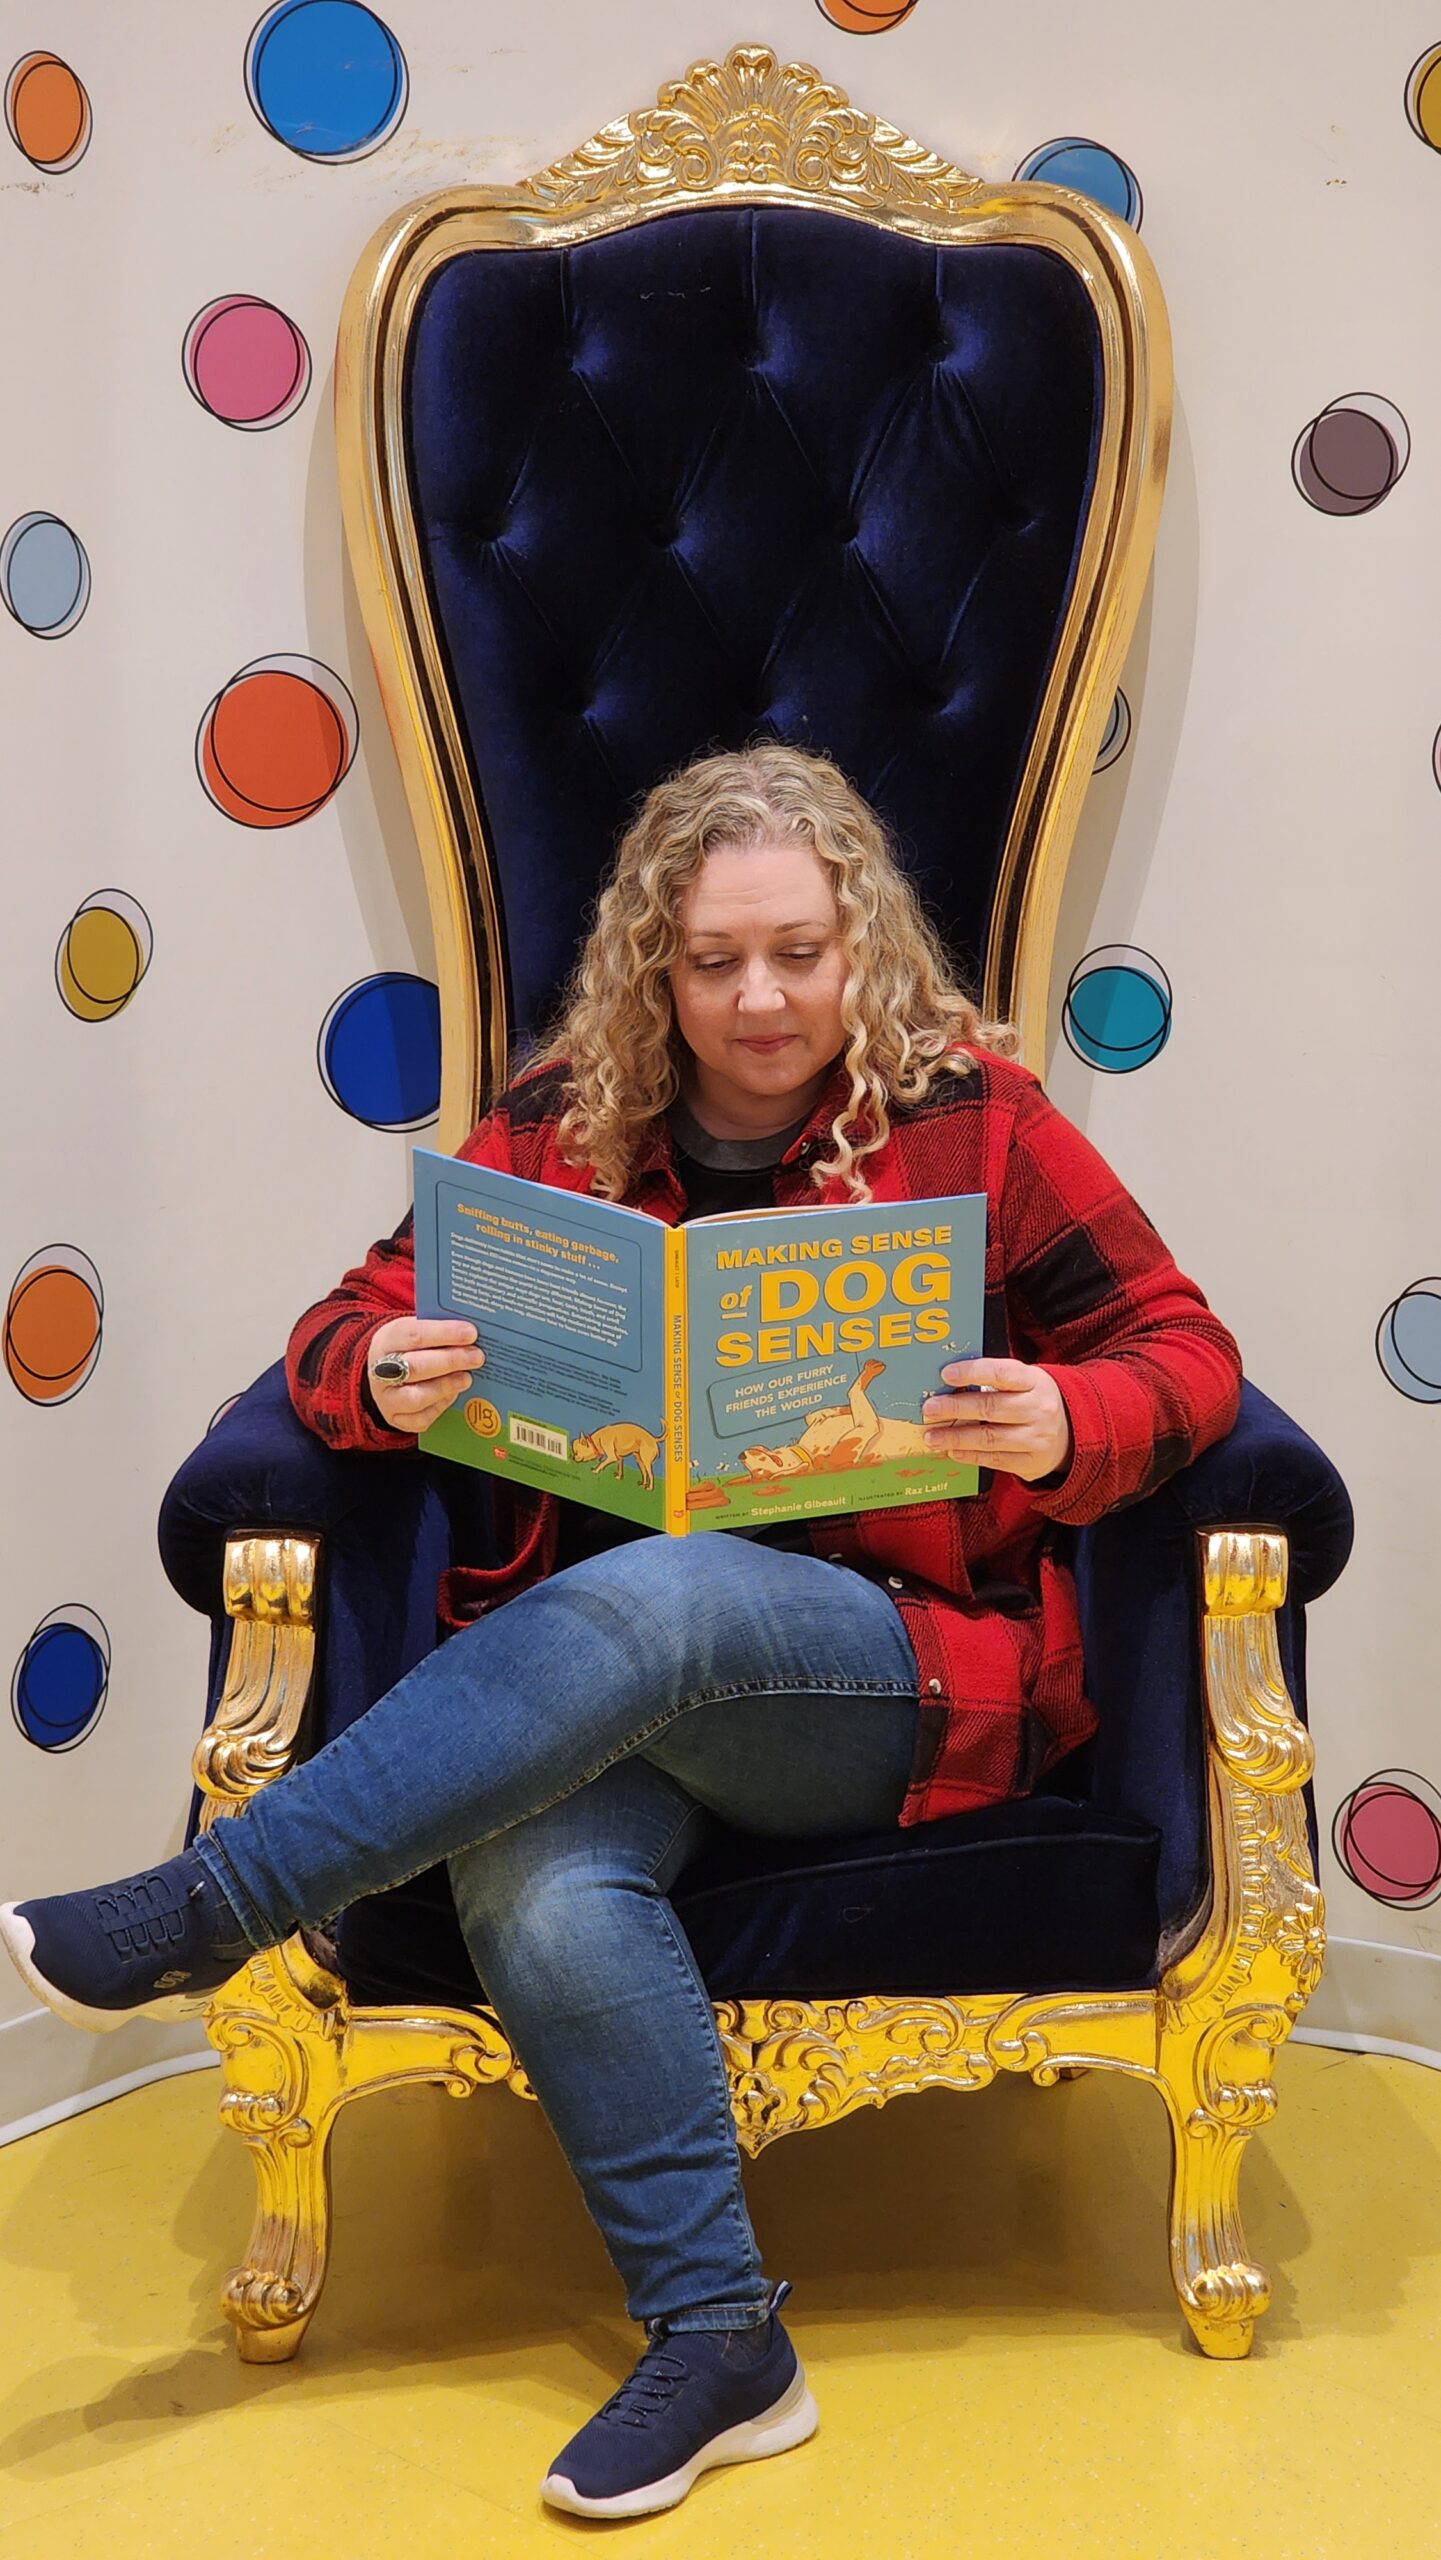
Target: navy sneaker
<point x="154" y="1945"/>
<point x="698" y="2397"/>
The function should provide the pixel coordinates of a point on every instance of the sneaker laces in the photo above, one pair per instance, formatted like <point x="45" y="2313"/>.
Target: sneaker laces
<point x="139" y="1917"/>
<point x="657" y="2378"/>
<point x="650" y="2388"/>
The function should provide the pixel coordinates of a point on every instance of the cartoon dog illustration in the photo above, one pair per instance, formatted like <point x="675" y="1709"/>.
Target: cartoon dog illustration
<point x="852" y="1434"/>
<point x="613" y="1443"/>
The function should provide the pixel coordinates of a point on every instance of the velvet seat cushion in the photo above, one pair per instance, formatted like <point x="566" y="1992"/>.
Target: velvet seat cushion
<point x="1045" y="1892"/>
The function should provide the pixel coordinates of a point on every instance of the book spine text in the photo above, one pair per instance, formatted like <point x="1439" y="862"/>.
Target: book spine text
<point x="677" y="1418"/>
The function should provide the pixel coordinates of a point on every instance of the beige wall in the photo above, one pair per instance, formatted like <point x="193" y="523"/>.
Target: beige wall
<point x="1269" y="835"/>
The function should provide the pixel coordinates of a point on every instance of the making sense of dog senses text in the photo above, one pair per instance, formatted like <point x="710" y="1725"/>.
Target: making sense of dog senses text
<point x="720" y="1375"/>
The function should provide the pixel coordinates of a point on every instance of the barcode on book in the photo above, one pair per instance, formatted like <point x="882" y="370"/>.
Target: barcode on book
<point x="534" y="1435"/>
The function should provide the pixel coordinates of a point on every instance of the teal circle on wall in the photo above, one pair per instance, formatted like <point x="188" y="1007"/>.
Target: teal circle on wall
<point x="1117" y="1009"/>
<point x="1408" y="1342"/>
<point x="326" y="77"/>
<point x="44" y="575"/>
<point x="58" y="1687"/>
<point x="1092" y="170"/>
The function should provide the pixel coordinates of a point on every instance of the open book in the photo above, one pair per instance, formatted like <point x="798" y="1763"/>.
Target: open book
<point x="720" y="1375"/>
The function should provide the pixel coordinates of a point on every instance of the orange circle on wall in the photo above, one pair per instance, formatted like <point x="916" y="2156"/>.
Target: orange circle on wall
<point x="277" y="741"/>
<point x="47" y="111"/>
<point x="52" y="1325"/>
<point x="865" y="17"/>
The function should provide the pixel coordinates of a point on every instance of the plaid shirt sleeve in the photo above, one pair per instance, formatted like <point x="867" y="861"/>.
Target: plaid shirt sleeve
<point x="325" y="1357"/>
<point x="1149" y="1375"/>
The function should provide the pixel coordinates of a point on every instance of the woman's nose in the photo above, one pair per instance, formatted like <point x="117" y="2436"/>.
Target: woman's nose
<point x="760" y="990"/>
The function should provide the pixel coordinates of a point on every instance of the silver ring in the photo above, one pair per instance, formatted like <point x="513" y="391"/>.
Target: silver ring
<point x="393" y="1368"/>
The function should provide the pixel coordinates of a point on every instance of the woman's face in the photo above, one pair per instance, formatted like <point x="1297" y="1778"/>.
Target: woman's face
<point x="757" y="987"/>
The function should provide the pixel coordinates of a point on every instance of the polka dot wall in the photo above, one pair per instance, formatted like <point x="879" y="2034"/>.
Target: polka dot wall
<point x="220" y="1010"/>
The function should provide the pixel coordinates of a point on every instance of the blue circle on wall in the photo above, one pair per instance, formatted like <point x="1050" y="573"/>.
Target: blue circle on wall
<point x="61" y="1678"/>
<point x="44" y="575"/>
<point x="1408" y="1342"/>
<point x="379" y="1051"/>
<point x="1092" y="170"/>
<point x="326" y="77"/>
<point x="1117" y="1009"/>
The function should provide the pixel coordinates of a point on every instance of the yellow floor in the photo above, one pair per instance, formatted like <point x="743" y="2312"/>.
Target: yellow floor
<point x="981" y="2299"/>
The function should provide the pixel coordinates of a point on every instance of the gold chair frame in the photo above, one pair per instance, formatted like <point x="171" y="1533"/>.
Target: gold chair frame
<point x="293" y="2049"/>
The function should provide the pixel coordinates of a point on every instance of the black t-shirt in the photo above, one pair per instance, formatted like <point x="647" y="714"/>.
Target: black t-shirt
<point x="719" y="1176"/>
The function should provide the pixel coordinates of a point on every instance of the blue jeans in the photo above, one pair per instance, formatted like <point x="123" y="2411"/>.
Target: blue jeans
<point x="563" y="1756"/>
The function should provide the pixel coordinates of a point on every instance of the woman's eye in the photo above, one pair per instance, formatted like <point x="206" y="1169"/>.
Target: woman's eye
<point x="725" y="960"/>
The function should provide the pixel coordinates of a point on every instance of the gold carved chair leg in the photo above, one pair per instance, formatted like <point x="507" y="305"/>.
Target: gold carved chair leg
<point x="279" y="2067"/>
<point x="281" y="2049"/>
<point x="294" y="2053"/>
<point x="1231" y="1999"/>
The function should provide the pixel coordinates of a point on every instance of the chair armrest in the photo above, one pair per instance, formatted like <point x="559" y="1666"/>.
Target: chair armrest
<point x="1136" y="1579"/>
<point x="261" y="1468"/>
<point x="387" y="1527"/>
<point x="1266" y="1474"/>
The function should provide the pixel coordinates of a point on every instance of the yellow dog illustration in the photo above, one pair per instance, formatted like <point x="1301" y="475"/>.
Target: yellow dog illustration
<point x="852" y="1434"/>
<point x="613" y="1443"/>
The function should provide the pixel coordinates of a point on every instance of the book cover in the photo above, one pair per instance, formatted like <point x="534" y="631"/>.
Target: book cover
<point x="813" y="1336"/>
<point x="725" y="1374"/>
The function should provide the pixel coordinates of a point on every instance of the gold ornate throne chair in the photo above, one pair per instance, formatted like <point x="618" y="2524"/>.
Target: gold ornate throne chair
<point x="752" y="413"/>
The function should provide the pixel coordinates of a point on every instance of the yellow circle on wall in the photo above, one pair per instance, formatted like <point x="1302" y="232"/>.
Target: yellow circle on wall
<point x="103" y="955"/>
<point x="99" y="964"/>
<point x="1423" y="97"/>
<point x="482" y="1417"/>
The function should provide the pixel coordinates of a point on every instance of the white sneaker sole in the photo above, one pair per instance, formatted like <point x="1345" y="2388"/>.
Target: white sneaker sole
<point x="18" y="1939"/>
<point x="788" y="2422"/>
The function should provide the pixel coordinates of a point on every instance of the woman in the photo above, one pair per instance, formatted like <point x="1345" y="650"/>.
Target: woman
<point x="761" y="1016"/>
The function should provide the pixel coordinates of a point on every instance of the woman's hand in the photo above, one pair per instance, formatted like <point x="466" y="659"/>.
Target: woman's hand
<point x="441" y="1353"/>
<point x="1019" y="1425"/>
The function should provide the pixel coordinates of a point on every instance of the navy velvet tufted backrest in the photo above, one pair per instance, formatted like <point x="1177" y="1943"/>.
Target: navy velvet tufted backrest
<point x="737" y="471"/>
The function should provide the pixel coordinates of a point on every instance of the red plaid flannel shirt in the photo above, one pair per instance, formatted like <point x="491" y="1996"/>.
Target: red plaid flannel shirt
<point x="1077" y="1282"/>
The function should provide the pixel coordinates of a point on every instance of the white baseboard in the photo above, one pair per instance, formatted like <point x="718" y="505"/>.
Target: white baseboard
<point x="1377" y="1999"/>
<point x="49" y="2071"/>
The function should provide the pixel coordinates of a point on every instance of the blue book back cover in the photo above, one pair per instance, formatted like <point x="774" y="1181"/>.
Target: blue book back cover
<point x="567" y="1296"/>
<point x="813" y="1336"/>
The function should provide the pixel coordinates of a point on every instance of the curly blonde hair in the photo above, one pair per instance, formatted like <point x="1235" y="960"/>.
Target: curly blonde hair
<point x="905" y="1018"/>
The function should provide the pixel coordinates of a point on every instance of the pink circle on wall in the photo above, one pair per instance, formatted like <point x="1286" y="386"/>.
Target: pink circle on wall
<point x="246" y="362"/>
<point x="1387" y="1836"/>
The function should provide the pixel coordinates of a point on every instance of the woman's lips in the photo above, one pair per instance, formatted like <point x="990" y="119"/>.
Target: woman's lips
<point x="777" y="1040"/>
